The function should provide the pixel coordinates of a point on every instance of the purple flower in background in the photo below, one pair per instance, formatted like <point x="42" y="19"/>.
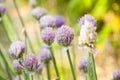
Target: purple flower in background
<point x="30" y="62"/>
<point x="48" y="35"/>
<point x="116" y="75"/>
<point x="2" y="9"/>
<point x="38" y="12"/>
<point x="47" y="21"/>
<point x="88" y="34"/>
<point x="64" y="35"/>
<point x="59" y="21"/>
<point x="18" y="77"/>
<point x="17" y="66"/>
<point x="16" y="49"/>
<point x="87" y="18"/>
<point x="39" y="68"/>
<point x="83" y="64"/>
<point x="45" y="54"/>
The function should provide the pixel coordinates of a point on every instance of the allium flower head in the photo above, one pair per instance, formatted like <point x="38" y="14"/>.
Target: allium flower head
<point x="45" y="54"/>
<point x="83" y="64"/>
<point x="38" y="12"/>
<point x="87" y="18"/>
<point x="88" y="33"/>
<point x="39" y="68"/>
<point x="47" y="21"/>
<point x="2" y="9"/>
<point x="64" y="35"/>
<point x="59" y="21"/>
<point x="17" y="66"/>
<point x="116" y="75"/>
<point x="48" y="35"/>
<point x="16" y="49"/>
<point x="30" y="62"/>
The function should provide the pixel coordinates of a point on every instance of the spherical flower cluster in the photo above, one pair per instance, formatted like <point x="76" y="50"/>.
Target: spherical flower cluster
<point x="47" y="21"/>
<point x="116" y="75"/>
<point x="64" y="35"/>
<point x="38" y="12"/>
<point x="45" y="55"/>
<point x="2" y="9"/>
<point x="30" y="62"/>
<point x="16" y="49"/>
<point x="88" y="33"/>
<point x="83" y="64"/>
<point x="17" y="66"/>
<point x="48" y="35"/>
<point x="59" y="21"/>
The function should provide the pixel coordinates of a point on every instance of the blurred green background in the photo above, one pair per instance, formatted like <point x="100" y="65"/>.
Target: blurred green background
<point x="106" y="12"/>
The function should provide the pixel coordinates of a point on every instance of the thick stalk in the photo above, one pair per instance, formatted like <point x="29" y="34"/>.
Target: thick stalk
<point x="54" y="63"/>
<point x="71" y="66"/>
<point x="48" y="71"/>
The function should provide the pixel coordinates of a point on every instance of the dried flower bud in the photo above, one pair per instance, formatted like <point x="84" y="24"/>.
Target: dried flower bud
<point x="45" y="54"/>
<point x="2" y="9"/>
<point x="17" y="66"/>
<point x="48" y="35"/>
<point x="88" y="33"/>
<point x="116" y="75"/>
<point x="38" y="12"/>
<point x="16" y="49"/>
<point x="59" y="21"/>
<point x="39" y="68"/>
<point x="47" y="21"/>
<point x="18" y="77"/>
<point x="30" y="62"/>
<point x="83" y="64"/>
<point x="64" y="35"/>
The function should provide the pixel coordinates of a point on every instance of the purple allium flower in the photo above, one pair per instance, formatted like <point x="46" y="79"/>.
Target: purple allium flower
<point x="116" y="75"/>
<point x="47" y="21"/>
<point x="88" y="33"/>
<point x="83" y="64"/>
<point x="2" y="9"/>
<point x="18" y="77"/>
<point x="45" y="54"/>
<point x="39" y="68"/>
<point x="38" y="12"/>
<point x="17" y="66"/>
<point x="30" y="62"/>
<point x="48" y="35"/>
<point x="59" y="21"/>
<point x="16" y="49"/>
<point x="87" y="18"/>
<point x="64" y="35"/>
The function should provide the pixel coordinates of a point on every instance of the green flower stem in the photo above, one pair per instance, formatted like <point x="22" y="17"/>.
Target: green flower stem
<point x="93" y="66"/>
<point x="32" y="77"/>
<point x="5" y="31"/>
<point x="23" y="25"/>
<point x="71" y="66"/>
<point x="54" y="63"/>
<point x="48" y="71"/>
<point x="88" y="69"/>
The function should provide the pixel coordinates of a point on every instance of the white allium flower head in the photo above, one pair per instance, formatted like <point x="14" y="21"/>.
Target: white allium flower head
<point x="16" y="49"/>
<point x="47" y="21"/>
<point x="88" y="33"/>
